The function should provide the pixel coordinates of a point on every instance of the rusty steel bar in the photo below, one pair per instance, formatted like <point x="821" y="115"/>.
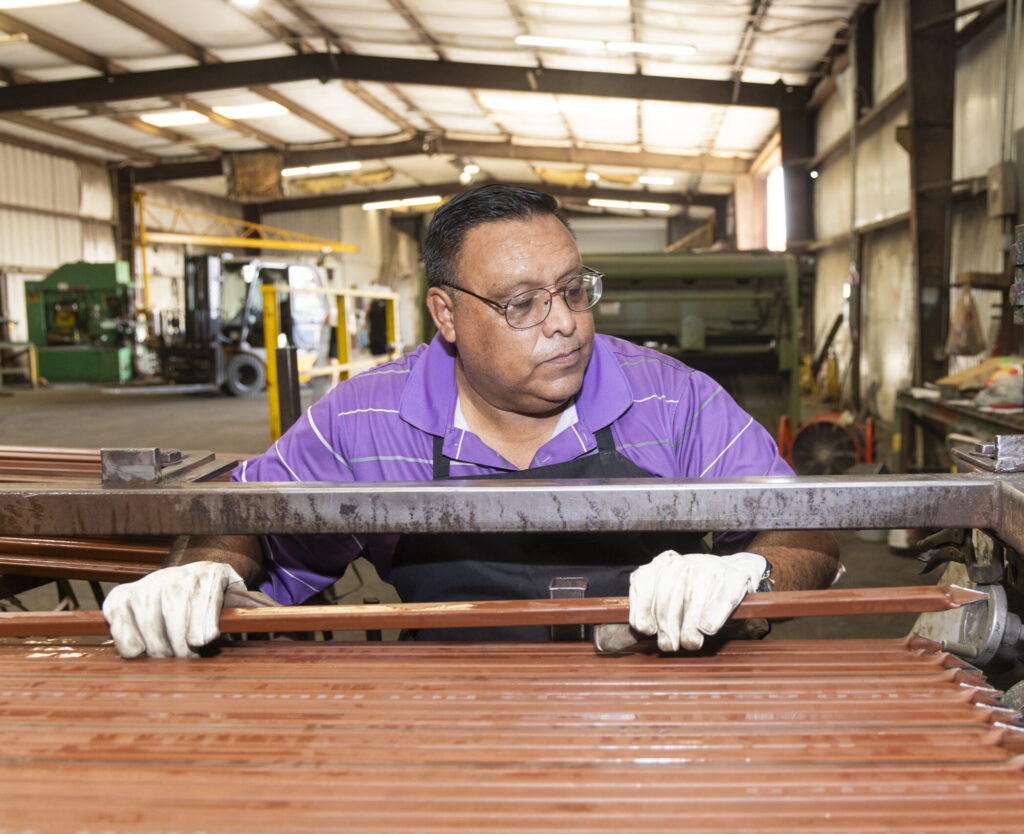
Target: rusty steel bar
<point x="508" y="612"/>
<point x="498" y="506"/>
<point x="767" y="736"/>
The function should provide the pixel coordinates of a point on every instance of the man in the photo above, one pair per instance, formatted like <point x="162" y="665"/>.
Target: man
<point x="515" y="384"/>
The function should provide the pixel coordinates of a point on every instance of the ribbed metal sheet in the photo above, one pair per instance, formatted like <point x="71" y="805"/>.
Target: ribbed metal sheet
<point x="856" y="735"/>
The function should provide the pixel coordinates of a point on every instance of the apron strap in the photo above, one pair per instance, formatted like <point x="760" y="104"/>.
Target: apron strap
<point x="442" y="466"/>
<point x="605" y="440"/>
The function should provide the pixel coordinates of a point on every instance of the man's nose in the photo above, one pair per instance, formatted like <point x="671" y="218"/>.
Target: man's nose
<point x="560" y="318"/>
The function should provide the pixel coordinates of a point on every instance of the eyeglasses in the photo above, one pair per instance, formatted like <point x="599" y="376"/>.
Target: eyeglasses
<point x="530" y="308"/>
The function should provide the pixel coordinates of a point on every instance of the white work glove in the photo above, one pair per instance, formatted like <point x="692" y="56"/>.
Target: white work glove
<point x="171" y="611"/>
<point x="682" y="598"/>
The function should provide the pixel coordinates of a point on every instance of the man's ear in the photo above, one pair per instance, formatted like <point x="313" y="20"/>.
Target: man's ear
<point x="441" y="306"/>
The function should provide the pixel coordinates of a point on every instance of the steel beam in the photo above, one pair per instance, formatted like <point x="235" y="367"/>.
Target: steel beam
<point x="423" y="143"/>
<point x="930" y="79"/>
<point x="782" y="503"/>
<point x="327" y="66"/>
<point x="455" y="187"/>
<point x="796" y="130"/>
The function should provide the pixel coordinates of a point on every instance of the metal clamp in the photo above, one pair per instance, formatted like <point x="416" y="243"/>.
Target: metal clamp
<point x="144" y="467"/>
<point x="1005" y="455"/>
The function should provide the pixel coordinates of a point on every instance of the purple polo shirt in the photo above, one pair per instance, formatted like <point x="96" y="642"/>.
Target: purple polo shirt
<point x="669" y="419"/>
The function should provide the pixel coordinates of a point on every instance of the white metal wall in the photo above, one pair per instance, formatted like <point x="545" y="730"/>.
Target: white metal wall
<point x="890" y="58"/>
<point x="888" y="331"/>
<point x="888" y="318"/>
<point x="53" y="210"/>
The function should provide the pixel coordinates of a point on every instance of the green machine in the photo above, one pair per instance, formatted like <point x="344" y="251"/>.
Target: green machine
<point x="80" y="319"/>
<point x="733" y="315"/>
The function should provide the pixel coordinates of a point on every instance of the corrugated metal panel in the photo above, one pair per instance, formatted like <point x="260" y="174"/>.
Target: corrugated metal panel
<point x="883" y="172"/>
<point x="98" y="243"/>
<point x="832" y="271"/>
<point x="38" y="180"/>
<point x="976" y="245"/>
<point x="97" y="198"/>
<point x="322" y="222"/>
<point x="890" y="58"/>
<point x="978" y="106"/>
<point x="36" y="240"/>
<point x="832" y="198"/>
<point x="889" y="318"/>
<point x="834" y="116"/>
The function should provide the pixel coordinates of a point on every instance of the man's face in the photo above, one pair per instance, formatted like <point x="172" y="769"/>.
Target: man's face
<point x="532" y="371"/>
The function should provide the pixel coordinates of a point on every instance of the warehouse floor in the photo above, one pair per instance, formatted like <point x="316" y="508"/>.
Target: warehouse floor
<point x="85" y="416"/>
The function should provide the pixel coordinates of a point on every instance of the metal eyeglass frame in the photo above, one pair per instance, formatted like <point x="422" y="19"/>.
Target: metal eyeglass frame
<point x="503" y="308"/>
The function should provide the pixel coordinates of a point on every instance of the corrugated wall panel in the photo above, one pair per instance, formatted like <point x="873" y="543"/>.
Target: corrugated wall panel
<point x="832" y="198"/>
<point x="97" y="197"/>
<point x="883" y="172"/>
<point x="888" y="319"/>
<point x="323" y="222"/>
<point x="832" y="271"/>
<point x="976" y="245"/>
<point x="38" y="180"/>
<point x="978" y="104"/>
<point x="890" y="58"/>
<point x="834" y="115"/>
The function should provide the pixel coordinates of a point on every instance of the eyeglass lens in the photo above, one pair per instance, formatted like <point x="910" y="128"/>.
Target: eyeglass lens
<point x="531" y="308"/>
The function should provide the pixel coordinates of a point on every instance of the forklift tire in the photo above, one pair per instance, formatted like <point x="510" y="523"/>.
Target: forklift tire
<point x="246" y="375"/>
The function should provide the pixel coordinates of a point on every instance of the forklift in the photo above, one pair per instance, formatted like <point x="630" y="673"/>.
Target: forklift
<point x="220" y="341"/>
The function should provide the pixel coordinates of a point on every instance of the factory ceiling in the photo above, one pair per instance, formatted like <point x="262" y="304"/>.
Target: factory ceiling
<point x="348" y="97"/>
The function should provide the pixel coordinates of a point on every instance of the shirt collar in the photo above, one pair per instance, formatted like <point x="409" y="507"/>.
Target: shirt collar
<point x="430" y="398"/>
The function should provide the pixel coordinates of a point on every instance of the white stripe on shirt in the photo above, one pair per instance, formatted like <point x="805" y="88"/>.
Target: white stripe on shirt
<point x="365" y="410"/>
<point x="284" y="462"/>
<point x="327" y="446"/>
<point x="726" y="449"/>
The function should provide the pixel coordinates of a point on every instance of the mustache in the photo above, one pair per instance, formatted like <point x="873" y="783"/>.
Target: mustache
<point x="563" y="350"/>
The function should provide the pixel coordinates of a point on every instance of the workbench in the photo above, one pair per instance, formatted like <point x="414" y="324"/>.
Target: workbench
<point x="841" y="735"/>
<point x="943" y="416"/>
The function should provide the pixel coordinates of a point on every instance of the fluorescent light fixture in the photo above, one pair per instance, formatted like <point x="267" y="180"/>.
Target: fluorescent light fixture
<point x="558" y="43"/>
<point x="651" y="48"/>
<point x="636" y="205"/>
<point x="31" y="4"/>
<point x="173" y="118"/>
<point x="814" y="174"/>
<point x="406" y="203"/>
<point x="471" y="169"/>
<point x="590" y="176"/>
<point x="262" y="110"/>
<point x="325" y="168"/>
<point x="656" y="181"/>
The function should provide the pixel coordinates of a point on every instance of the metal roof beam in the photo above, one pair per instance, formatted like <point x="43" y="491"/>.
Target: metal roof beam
<point x="423" y="143"/>
<point x="327" y="66"/>
<point x="452" y="188"/>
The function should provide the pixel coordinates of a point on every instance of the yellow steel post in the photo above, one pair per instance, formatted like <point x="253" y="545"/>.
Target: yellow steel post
<point x="270" y="327"/>
<point x="344" y="356"/>
<point x="141" y="242"/>
<point x="391" y="308"/>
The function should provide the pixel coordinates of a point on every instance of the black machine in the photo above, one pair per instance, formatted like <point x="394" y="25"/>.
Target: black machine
<point x="220" y="339"/>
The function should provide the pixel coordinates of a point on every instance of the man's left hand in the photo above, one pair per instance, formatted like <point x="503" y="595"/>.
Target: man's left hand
<point x="682" y="598"/>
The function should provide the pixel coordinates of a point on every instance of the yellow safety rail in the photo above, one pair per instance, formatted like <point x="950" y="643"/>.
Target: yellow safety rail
<point x="158" y="222"/>
<point x="345" y="367"/>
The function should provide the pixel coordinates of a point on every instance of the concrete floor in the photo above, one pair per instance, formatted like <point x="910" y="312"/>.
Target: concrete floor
<point x="85" y="416"/>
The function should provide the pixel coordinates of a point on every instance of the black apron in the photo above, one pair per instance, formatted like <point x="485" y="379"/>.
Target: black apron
<point x="448" y="566"/>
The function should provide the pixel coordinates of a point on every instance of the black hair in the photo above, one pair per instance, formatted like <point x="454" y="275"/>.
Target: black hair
<point x="485" y="204"/>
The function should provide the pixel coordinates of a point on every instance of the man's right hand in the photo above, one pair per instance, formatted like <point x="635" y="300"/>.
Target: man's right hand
<point x="172" y="611"/>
